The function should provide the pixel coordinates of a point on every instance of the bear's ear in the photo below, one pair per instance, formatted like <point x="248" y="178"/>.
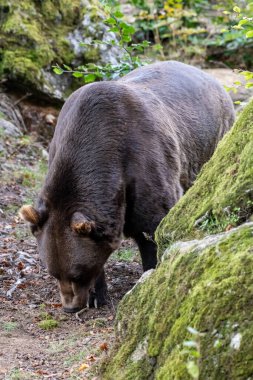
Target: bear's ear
<point x="81" y="225"/>
<point x="29" y="214"/>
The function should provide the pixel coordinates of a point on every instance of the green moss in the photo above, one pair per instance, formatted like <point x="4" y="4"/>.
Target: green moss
<point x="48" y="324"/>
<point x="223" y="193"/>
<point x="34" y="37"/>
<point x="21" y="67"/>
<point x="204" y="284"/>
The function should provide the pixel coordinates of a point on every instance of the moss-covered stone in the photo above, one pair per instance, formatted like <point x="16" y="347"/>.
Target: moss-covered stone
<point x="33" y="37"/>
<point x="222" y="196"/>
<point x="192" y="316"/>
<point x="204" y="284"/>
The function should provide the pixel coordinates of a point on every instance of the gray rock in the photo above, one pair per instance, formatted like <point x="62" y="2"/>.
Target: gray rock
<point x="9" y="128"/>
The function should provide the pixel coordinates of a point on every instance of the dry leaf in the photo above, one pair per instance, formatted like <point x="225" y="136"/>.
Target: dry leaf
<point x="229" y="227"/>
<point x="103" y="346"/>
<point x="83" y="367"/>
<point x="20" y="265"/>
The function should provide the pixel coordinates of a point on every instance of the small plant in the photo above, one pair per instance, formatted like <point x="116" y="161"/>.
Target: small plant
<point x="17" y="374"/>
<point x="48" y="324"/>
<point x="9" y="326"/>
<point x="120" y="35"/>
<point x="230" y="218"/>
<point x="192" y="349"/>
<point x="123" y="255"/>
<point x="243" y="27"/>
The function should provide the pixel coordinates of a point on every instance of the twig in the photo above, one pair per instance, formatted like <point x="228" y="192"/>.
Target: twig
<point x="81" y="312"/>
<point x="22" y="98"/>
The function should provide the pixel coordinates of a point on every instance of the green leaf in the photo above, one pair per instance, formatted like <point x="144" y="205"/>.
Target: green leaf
<point x="236" y="102"/>
<point x="110" y="21"/>
<point x="248" y="85"/>
<point x="247" y="75"/>
<point x="126" y="38"/>
<point x="89" y="78"/>
<point x="193" y="369"/>
<point x="243" y="22"/>
<point x="77" y="74"/>
<point x="114" y="29"/>
<point x="237" y="27"/>
<point x="57" y="70"/>
<point x="237" y="9"/>
<point x="67" y="67"/>
<point x="158" y="47"/>
<point x="118" y="14"/>
<point x="195" y="354"/>
<point x="249" y="34"/>
<point x="146" y="43"/>
<point x="127" y="29"/>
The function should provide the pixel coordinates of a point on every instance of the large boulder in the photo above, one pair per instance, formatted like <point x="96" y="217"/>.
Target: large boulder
<point x="35" y="35"/>
<point x="222" y="196"/>
<point x="33" y="38"/>
<point x="192" y="316"/>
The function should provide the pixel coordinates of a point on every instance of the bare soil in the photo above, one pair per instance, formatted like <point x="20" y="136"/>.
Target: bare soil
<point x="29" y="296"/>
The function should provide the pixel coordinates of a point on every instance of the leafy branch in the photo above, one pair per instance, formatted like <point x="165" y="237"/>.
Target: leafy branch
<point x="244" y="24"/>
<point x="122" y="38"/>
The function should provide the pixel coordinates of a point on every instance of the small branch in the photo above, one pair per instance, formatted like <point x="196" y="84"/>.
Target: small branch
<point x="23" y="98"/>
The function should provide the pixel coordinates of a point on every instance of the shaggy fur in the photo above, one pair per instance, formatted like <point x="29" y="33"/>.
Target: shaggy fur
<point x="122" y="155"/>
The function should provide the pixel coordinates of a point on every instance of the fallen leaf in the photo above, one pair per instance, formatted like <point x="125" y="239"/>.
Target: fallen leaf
<point x="83" y="367"/>
<point x="229" y="227"/>
<point x="41" y="372"/>
<point x="55" y="305"/>
<point x="20" y="265"/>
<point x="103" y="346"/>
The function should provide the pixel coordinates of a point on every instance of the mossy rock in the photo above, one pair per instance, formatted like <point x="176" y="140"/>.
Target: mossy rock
<point x="205" y="285"/>
<point x="222" y="196"/>
<point x="33" y="37"/>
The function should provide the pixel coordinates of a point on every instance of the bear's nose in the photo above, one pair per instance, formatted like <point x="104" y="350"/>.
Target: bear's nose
<point x="71" y="309"/>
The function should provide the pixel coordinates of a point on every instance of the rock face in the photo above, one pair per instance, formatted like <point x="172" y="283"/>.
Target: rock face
<point x="34" y="36"/>
<point x="204" y="284"/>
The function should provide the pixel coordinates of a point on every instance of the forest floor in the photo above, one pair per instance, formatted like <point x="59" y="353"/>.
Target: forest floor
<point x="29" y="298"/>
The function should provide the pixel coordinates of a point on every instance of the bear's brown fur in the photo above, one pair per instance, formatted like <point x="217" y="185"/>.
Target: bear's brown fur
<point x="122" y="155"/>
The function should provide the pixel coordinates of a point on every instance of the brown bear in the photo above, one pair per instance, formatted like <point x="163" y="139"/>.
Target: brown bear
<point x="122" y="155"/>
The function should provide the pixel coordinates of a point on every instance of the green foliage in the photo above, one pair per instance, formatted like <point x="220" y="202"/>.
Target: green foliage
<point x="123" y="255"/>
<point x="48" y="324"/>
<point x="120" y="35"/>
<point x="192" y="349"/>
<point x="194" y="29"/>
<point x="243" y="28"/>
<point x="9" y="326"/>
<point x="33" y="35"/>
<point x="233" y="40"/>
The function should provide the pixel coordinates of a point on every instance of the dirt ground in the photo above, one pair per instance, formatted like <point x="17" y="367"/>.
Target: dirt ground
<point x="29" y="299"/>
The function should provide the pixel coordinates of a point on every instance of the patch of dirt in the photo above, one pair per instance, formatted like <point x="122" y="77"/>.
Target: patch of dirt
<point x="28" y="295"/>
